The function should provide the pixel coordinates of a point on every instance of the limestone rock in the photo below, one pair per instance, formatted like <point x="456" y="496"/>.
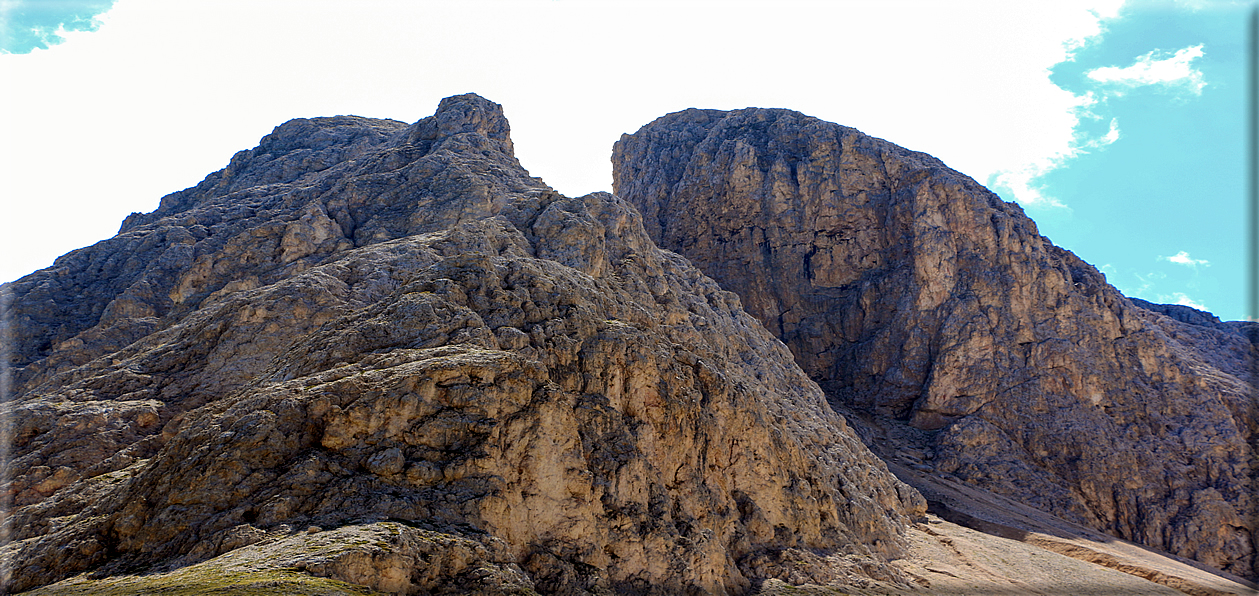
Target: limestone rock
<point x="361" y="327"/>
<point x="940" y="316"/>
<point x="376" y="558"/>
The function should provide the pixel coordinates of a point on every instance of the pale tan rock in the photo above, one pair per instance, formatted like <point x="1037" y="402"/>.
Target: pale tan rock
<point x="946" y="558"/>
<point x="308" y="233"/>
<point x="935" y="311"/>
<point x="378" y="558"/>
<point x="466" y="351"/>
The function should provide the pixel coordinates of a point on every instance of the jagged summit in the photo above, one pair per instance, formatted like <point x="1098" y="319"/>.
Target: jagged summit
<point x="303" y="147"/>
<point x="455" y="377"/>
<point x="468" y="113"/>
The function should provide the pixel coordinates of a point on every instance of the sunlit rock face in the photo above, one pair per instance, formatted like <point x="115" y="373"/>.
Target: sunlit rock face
<point x="937" y="314"/>
<point x="384" y="354"/>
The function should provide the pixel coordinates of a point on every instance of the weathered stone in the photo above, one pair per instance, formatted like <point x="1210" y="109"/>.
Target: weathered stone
<point x="368" y="356"/>
<point x="386" y="557"/>
<point x="360" y="321"/>
<point x="938" y="315"/>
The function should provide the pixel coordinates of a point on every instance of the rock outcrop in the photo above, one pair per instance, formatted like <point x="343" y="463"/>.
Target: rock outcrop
<point x="960" y="337"/>
<point x="392" y="358"/>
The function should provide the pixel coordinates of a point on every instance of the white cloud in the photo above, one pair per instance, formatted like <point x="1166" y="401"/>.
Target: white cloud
<point x="1020" y="182"/>
<point x="1173" y="71"/>
<point x="1146" y="284"/>
<point x="1021" y="179"/>
<point x="1145" y="289"/>
<point x="1110" y="137"/>
<point x="967" y="82"/>
<point x="1183" y="258"/>
<point x="1185" y="300"/>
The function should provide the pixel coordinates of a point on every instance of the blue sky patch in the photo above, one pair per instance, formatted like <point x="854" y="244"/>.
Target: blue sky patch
<point x="1159" y="205"/>
<point x="27" y="25"/>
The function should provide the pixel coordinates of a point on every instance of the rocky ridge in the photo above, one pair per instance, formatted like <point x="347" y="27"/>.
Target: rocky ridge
<point x="958" y="338"/>
<point x="375" y="357"/>
<point x="393" y="358"/>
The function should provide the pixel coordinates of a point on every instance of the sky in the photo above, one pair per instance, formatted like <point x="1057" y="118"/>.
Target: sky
<point x="1118" y="126"/>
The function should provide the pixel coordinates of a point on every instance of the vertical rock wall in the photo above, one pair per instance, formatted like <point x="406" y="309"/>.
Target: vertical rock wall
<point x="919" y="299"/>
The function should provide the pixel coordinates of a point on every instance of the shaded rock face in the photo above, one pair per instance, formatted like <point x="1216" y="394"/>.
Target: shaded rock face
<point x="361" y="322"/>
<point x="922" y="302"/>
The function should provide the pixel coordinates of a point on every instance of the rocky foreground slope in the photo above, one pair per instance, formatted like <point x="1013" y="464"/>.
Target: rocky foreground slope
<point x="385" y="356"/>
<point x="963" y="341"/>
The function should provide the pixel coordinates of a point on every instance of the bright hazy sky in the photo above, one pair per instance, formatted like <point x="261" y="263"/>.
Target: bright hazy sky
<point x="1118" y="126"/>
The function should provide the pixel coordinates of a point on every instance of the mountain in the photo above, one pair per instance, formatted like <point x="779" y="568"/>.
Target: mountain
<point x="939" y="320"/>
<point x="376" y="357"/>
<point x="392" y="357"/>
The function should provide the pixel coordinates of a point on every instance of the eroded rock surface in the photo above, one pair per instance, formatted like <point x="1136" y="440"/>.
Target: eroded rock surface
<point x="361" y="322"/>
<point x="937" y="312"/>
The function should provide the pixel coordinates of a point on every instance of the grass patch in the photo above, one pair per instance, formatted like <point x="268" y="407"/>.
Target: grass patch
<point x="192" y="581"/>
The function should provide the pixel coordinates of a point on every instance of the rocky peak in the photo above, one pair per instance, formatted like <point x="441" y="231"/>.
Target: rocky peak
<point x="937" y="315"/>
<point x="468" y="113"/>
<point x="394" y="356"/>
<point x="317" y="134"/>
<point x="1184" y="314"/>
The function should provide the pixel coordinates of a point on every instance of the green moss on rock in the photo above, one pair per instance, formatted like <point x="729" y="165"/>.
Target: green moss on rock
<point x="200" y="579"/>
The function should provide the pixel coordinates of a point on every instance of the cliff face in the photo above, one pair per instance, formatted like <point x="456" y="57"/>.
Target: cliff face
<point x="936" y="313"/>
<point x="385" y="355"/>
